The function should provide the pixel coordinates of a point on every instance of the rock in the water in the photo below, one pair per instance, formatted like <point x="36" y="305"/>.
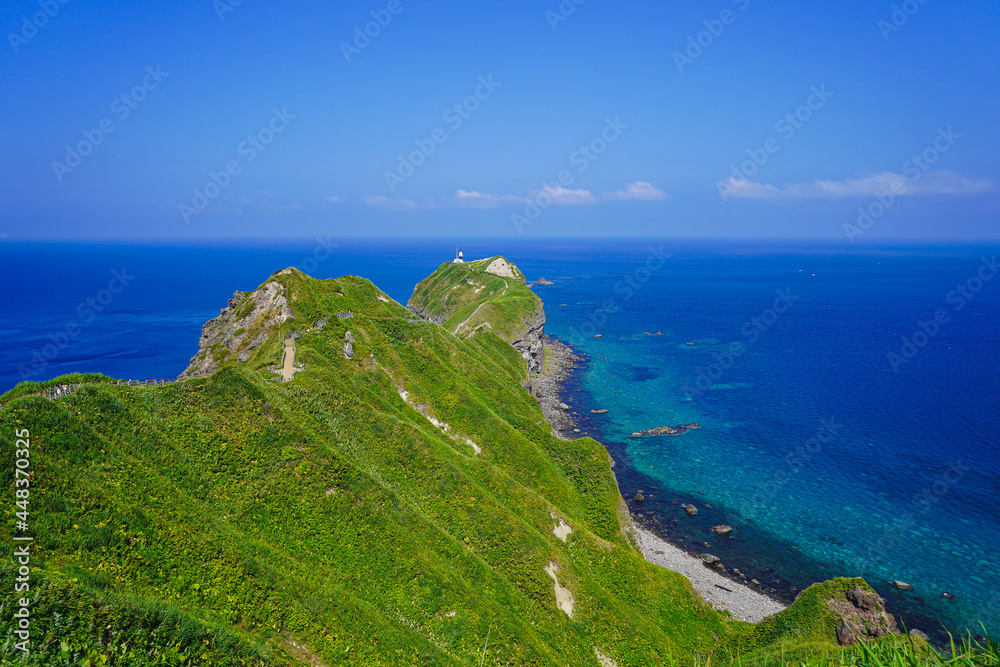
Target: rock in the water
<point x="948" y="596"/>
<point x="711" y="560"/>
<point x="598" y="335"/>
<point x="665" y="430"/>
<point x="902" y="586"/>
<point x="691" y="510"/>
<point x="599" y="412"/>
<point x="639" y="497"/>
<point x="722" y="529"/>
<point x="563" y="406"/>
<point x="543" y="281"/>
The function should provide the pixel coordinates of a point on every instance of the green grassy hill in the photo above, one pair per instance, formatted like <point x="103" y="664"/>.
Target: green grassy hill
<point x="470" y="297"/>
<point x="394" y="504"/>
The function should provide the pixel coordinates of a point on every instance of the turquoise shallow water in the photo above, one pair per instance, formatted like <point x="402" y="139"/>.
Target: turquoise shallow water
<point x="901" y="483"/>
<point x="824" y="459"/>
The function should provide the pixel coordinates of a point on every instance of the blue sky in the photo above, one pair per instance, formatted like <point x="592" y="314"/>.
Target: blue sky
<point x="725" y="118"/>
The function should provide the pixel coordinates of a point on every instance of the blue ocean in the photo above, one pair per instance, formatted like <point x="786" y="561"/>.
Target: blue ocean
<point x="847" y="399"/>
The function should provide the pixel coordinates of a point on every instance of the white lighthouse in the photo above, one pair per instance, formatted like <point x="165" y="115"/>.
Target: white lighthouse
<point x="459" y="258"/>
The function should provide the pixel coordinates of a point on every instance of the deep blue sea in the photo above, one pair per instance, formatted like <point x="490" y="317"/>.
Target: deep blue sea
<point x="827" y="456"/>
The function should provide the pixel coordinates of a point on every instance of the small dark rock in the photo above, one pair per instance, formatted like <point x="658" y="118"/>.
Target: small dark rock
<point x="902" y="586"/>
<point x="691" y="510"/>
<point x="710" y="560"/>
<point x="948" y="596"/>
<point x="722" y="529"/>
<point x="639" y="497"/>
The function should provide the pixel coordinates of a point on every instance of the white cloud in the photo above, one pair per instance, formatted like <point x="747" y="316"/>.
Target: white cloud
<point x="565" y="196"/>
<point x="334" y="199"/>
<point x="474" y="199"/>
<point x="640" y="190"/>
<point x="927" y="183"/>
<point x="399" y="204"/>
<point x="643" y="190"/>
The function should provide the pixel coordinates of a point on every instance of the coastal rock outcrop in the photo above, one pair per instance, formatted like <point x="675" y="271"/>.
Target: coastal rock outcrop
<point x="664" y="430"/>
<point x="711" y="560"/>
<point x="546" y="386"/>
<point x="862" y="616"/>
<point x="241" y="327"/>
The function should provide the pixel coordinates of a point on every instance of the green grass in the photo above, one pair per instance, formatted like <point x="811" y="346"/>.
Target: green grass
<point x="896" y="651"/>
<point x="234" y="520"/>
<point x="456" y="292"/>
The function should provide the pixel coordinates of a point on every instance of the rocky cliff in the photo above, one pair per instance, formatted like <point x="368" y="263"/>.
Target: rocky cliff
<point x="246" y="322"/>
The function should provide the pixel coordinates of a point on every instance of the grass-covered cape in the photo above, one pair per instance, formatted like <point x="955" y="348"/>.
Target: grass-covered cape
<point x="394" y="504"/>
